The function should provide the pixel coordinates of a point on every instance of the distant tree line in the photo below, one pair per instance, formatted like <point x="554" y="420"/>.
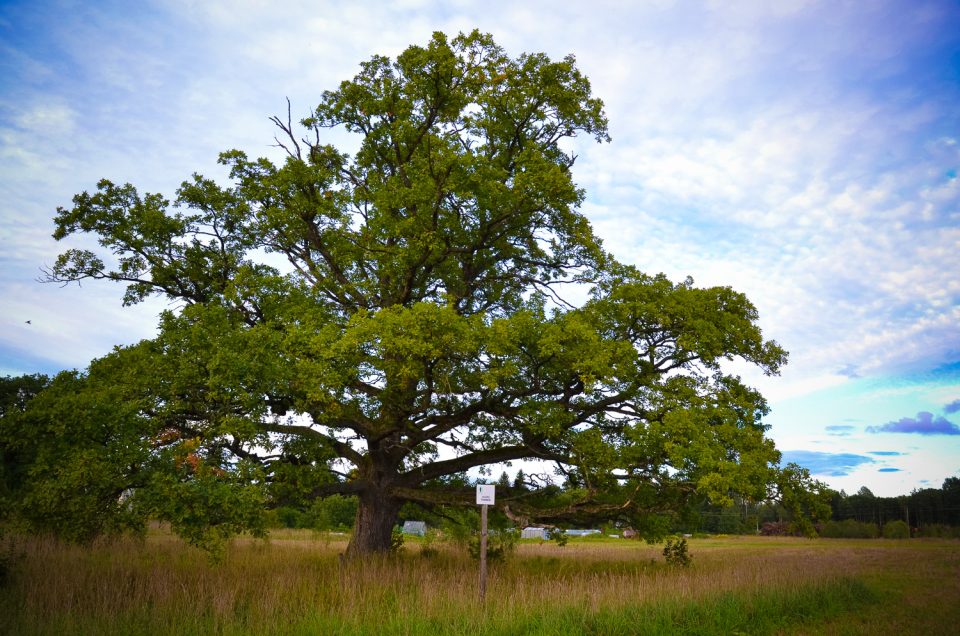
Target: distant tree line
<point x="919" y="509"/>
<point x="924" y="512"/>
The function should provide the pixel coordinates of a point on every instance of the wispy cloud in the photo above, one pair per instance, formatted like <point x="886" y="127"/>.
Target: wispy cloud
<point x="829" y="464"/>
<point x="953" y="407"/>
<point x="885" y="453"/>
<point x="840" y="430"/>
<point x="924" y="424"/>
<point x="889" y="470"/>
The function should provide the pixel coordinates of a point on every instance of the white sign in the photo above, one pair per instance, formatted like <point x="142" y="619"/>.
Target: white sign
<point x="485" y="494"/>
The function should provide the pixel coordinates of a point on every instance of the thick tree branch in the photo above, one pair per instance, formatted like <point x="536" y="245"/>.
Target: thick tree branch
<point x="341" y="448"/>
<point x="421" y="474"/>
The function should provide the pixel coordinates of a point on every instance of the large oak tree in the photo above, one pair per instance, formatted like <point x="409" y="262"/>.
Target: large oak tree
<point x="419" y="326"/>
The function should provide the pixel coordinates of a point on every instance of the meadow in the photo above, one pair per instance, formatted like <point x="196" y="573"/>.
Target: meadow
<point x="296" y="583"/>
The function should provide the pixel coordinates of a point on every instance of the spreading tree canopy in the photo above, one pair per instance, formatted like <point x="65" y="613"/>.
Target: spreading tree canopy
<point x="416" y="325"/>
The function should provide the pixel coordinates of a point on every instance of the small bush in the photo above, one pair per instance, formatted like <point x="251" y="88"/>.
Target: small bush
<point x="428" y="548"/>
<point x="775" y="529"/>
<point x="675" y="552"/>
<point x="896" y="530"/>
<point x="500" y="545"/>
<point x="396" y="540"/>
<point x="288" y="517"/>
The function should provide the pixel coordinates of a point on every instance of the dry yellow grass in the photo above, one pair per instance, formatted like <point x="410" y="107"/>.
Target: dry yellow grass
<point x="296" y="582"/>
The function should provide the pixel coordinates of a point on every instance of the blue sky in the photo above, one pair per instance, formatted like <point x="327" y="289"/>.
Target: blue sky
<point x="805" y="153"/>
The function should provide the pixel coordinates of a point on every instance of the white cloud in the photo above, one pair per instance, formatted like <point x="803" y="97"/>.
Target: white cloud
<point x="48" y="119"/>
<point x="824" y="239"/>
<point x="70" y="326"/>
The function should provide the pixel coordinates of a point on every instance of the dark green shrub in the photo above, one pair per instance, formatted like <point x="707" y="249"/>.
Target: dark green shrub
<point x="289" y="517"/>
<point x="335" y="512"/>
<point x="559" y="537"/>
<point x="500" y="544"/>
<point x="849" y="529"/>
<point x="939" y="530"/>
<point x="428" y="546"/>
<point x="9" y="556"/>
<point x="896" y="530"/>
<point x="396" y="540"/>
<point x="728" y="521"/>
<point x="675" y="552"/>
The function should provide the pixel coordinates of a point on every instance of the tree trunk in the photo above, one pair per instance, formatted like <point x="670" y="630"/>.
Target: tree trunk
<point x="376" y="517"/>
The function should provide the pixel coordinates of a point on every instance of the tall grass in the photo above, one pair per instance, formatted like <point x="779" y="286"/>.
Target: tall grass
<point x="296" y="583"/>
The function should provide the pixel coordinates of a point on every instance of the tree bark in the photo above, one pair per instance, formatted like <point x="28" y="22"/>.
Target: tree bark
<point x="377" y="514"/>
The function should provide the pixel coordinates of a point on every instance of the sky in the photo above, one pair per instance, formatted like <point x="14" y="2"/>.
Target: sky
<point x="804" y="153"/>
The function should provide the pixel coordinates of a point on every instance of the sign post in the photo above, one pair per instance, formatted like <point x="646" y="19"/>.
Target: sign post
<point x="485" y="497"/>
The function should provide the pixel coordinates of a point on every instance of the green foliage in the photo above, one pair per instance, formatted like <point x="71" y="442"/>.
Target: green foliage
<point x="500" y="544"/>
<point x="428" y="544"/>
<point x="73" y="453"/>
<point x="396" y="540"/>
<point x="559" y="537"/>
<point x="676" y="552"/>
<point x="921" y="508"/>
<point x="896" y="530"/>
<point x="15" y="394"/>
<point x="652" y="528"/>
<point x="421" y="311"/>
<point x="939" y="530"/>
<point x="205" y="508"/>
<point x="10" y="556"/>
<point x="849" y="529"/>
<point x="335" y="512"/>
<point x="804" y="498"/>
<point x="456" y="524"/>
<point x="97" y="457"/>
<point x="287" y="517"/>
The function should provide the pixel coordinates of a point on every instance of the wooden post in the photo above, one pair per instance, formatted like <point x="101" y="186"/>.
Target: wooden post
<point x="483" y="551"/>
<point x="486" y="495"/>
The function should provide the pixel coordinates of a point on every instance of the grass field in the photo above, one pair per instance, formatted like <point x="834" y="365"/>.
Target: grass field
<point x="295" y="583"/>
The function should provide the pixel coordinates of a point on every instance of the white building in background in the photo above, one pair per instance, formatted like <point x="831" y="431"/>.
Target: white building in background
<point x="418" y="528"/>
<point x="535" y="533"/>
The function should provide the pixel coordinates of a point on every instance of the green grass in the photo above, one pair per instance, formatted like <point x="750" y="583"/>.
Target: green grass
<point x="730" y="613"/>
<point x="296" y="584"/>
